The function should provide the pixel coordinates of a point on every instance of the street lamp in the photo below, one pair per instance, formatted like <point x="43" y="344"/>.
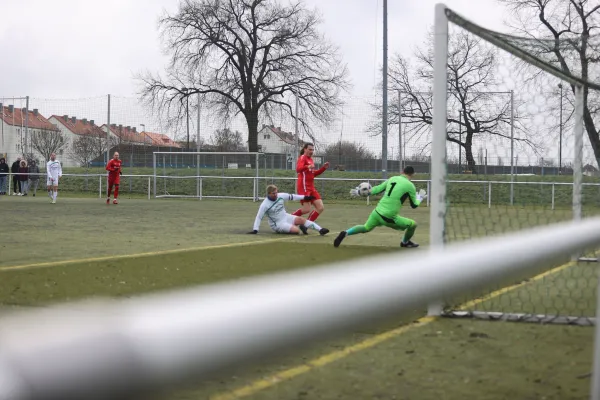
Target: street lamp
<point x="145" y="135"/>
<point x="187" y="116"/>
<point x="144" y="132"/>
<point x="460" y="140"/>
<point x="560" y="128"/>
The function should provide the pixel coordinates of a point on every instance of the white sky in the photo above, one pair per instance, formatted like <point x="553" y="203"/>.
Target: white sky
<point x="73" y="49"/>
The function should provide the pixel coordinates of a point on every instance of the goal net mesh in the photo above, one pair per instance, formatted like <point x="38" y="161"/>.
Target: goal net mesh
<point x="511" y="123"/>
<point x="208" y="174"/>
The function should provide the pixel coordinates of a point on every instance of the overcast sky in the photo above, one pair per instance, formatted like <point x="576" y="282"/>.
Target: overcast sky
<point x="74" y="49"/>
<point x="87" y="48"/>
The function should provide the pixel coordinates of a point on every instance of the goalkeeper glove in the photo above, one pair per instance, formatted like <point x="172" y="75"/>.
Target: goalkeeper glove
<point x="254" y="232"/>
<point x="354" y="192"/>
<point x="309" y="198"/>
<point x="422" y="195"/>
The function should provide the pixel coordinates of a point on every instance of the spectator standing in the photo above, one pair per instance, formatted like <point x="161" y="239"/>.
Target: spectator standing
<point x="34" y="177"/>
<point x="23" y="177"/>
<point x="14" y="170"/>
<point x="3" y="175"/>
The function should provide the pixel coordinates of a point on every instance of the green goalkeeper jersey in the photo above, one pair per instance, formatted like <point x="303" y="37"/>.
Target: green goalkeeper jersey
<point x="395" y="191"/>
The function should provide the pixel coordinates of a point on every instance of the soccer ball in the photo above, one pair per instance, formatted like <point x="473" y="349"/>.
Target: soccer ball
<point x="364" y="189"/>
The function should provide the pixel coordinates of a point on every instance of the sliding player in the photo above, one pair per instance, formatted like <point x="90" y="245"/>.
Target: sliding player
<point x="114" y="177"/>
<point x="306" y="183"/>
<point x="54" y="173"/>
<point x="396" y="191"/>
<point x="279" y="220"/>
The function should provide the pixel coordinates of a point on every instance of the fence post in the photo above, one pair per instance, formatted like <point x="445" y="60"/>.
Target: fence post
<point x="553" y="184"/>
<point x="100" y="186"/>
<point x="490" y="194"/>
<point x="149" y="188"/>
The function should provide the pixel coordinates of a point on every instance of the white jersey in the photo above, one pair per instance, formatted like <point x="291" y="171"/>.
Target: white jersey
<point x="274" y="210"/>
<point x="53" y="170"/>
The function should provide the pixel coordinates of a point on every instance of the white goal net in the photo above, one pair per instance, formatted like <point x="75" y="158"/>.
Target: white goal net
<point x="208" y="175"/>
<point x="518" y="111"/>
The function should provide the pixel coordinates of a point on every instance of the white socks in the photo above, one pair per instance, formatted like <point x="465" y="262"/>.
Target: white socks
<point x="312" y="225"/>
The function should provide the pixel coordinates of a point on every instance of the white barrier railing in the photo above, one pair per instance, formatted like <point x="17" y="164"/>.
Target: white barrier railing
<point x="106" y="349"/>
<point x="487" y="198"/>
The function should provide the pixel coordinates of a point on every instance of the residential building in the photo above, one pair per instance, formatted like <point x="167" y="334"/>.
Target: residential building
<point x="273" y="140"/>
<point x="73" y="128"/>
<point x="128" y="135"/>
<point x="16" y="129"/>
<point x="161" y="140"/>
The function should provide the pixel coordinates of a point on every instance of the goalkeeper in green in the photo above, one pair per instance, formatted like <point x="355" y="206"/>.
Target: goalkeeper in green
<point x="395" y="191"/>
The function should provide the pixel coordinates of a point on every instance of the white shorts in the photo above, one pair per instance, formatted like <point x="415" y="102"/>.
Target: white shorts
<point x="283" y="225"/>
<point x="50" y="183"/>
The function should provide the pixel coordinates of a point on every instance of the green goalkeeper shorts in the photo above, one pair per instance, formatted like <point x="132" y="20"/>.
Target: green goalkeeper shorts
<point x="397" y="222"/>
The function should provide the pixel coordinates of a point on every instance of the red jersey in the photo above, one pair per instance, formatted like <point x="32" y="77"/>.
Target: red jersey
<point x="114" y="168"/>
<point x="306" y="176"/>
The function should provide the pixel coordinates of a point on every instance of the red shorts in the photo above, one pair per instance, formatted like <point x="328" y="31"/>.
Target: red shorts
<point x="309" y="192"/>
<point x="114" y="180"/>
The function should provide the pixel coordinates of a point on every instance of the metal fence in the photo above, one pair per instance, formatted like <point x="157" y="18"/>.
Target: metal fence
<point x="550" y="194"/>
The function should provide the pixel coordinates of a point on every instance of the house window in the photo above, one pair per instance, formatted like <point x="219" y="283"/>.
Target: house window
<point x="267" y="136"/>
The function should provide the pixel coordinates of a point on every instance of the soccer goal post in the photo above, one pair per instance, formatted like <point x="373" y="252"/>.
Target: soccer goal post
<point x="519" y="101"/>
<point x="233" y="175"/>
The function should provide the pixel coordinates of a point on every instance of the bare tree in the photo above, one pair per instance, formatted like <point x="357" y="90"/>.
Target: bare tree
<point x="343" y="152"/>
<point x="85" y="148"/>
<point x="480" y="156"/>
<point x="573" y="26"/>
<point x="545" y="162"/>
<point x="247" y="57"/>
<point x="48" y="141"/>
<point x="475" y="107"/>
<point x="227" y="140"/>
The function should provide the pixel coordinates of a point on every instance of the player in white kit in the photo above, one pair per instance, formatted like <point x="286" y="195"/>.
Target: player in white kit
<point x="279" y="220"/>
<point x="53" y="172"/>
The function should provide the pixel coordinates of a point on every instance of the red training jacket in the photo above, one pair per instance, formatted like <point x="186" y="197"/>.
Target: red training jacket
<point x="306" y="177"/>
<point x="114" y="167"/>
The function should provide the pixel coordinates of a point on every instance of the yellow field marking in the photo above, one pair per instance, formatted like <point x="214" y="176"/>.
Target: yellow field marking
<point x="288" y="374"/>
<point x="148" y="254"/>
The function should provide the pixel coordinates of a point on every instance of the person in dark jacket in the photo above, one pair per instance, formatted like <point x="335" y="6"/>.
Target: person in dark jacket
<point x="14" y="170"/>
<point x="23" y="177"/>
<point x="3" y="175"/>
<point x="34" y="177"/>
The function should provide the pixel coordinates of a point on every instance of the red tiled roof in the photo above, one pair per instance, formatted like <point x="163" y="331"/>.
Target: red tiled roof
<point x="287" y="137"/>
<point x="80" y="127"/>
<point x="160" y="139"/>
<point x="128" y="135"/>
<point x="17" y="118"/>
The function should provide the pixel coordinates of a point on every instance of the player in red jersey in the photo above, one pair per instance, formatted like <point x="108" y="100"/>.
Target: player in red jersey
<point x="305" y="185"/>
<point x="114" y="177"/>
